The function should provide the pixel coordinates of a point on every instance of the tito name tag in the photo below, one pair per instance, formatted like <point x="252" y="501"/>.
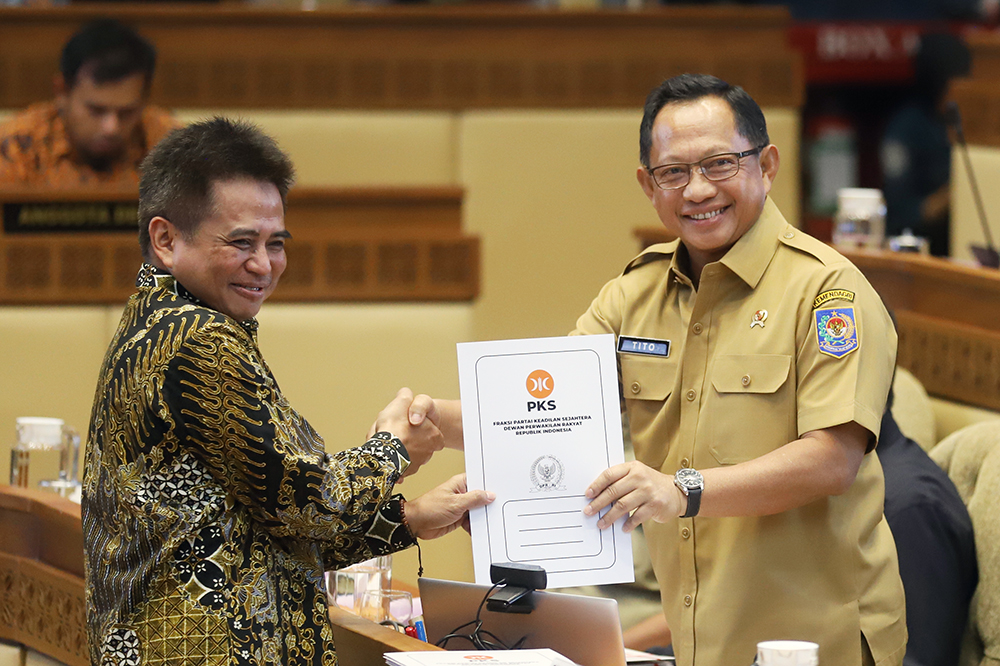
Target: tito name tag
<point x="644" y="346"/>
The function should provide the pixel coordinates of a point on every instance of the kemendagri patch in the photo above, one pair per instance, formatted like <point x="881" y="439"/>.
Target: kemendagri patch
<point x="837" y="331"/>
<point x="831" y="295"/>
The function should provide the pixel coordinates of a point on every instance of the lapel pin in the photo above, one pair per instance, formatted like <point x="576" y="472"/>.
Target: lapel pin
<point x="759" y="318"/>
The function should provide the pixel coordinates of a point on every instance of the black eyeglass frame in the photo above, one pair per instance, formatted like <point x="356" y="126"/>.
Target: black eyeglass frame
<point x="739" y="156"/>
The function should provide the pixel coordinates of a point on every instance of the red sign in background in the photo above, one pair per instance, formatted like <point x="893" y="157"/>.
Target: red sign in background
<point x="857" y="52"/>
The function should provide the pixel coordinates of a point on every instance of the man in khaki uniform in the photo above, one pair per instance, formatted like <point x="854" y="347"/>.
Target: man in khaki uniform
<point x="755" y="363"/>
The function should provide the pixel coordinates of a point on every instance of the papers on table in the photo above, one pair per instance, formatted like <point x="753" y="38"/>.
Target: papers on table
<point x="541" y="420"/>
<point x="543" y="657"/>
<point x="639" y="657"/>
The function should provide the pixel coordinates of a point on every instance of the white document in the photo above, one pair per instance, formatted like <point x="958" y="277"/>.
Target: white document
<point x="542" y="420"/>
<point x="539" y="657"/>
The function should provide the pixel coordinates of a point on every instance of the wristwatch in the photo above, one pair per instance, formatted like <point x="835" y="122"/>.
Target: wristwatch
<point x="691" y="483"/>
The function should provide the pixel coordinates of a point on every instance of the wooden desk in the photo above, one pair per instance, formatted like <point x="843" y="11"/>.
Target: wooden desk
<point x="948" y="320"/>
<point x="42" y="602"/>
<point x="41" y="574"/>
<point x="947" y="317"/>
<point x="361" y="642"/>
<point x="435" y="57"/>
<point x="350" y="244"/>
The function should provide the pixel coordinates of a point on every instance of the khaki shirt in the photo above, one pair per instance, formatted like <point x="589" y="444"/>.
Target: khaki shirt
<point x="738" y="383"/>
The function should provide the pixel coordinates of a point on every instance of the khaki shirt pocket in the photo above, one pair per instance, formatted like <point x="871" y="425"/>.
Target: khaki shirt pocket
<point x="647" y="382"/>
<point x="752" y="409"/>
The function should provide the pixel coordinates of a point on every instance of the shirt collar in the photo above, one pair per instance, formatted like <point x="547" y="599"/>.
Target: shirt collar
<point x="154" y="277"/>
<point x="749" y="257"/>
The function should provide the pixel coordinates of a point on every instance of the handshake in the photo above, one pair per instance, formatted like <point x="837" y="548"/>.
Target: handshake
<point x="423" y="424"/>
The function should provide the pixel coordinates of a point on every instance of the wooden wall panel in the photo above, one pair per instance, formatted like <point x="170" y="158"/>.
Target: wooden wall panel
<point x="378" y="244"/>
<point x="978" y="96"/>
<point x="418" y="58"/>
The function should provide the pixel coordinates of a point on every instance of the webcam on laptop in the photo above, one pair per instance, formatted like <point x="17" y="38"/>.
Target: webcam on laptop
<point x="517" y="582"/>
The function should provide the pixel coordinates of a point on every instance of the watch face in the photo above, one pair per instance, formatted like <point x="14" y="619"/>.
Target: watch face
<point x="690" y="478"/>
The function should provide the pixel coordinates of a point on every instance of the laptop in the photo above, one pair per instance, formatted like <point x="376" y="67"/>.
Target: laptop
<point x="586" y="630"/>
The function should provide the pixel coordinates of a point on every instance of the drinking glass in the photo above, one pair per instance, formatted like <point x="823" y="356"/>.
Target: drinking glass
<point x="350" y="583"/>
<point x="390" y="607"/>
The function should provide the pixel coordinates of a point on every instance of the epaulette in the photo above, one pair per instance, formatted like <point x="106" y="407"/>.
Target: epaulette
<point x="816" y="248"/>
<point x="652" y="253"/>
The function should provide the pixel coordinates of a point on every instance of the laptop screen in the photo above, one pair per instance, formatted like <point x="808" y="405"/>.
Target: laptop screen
<point x="584" y="629"/>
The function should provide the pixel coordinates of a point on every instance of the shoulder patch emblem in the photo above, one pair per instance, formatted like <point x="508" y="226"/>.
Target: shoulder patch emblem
<point x="831" y="295"/>
<point x="836" y="331"/>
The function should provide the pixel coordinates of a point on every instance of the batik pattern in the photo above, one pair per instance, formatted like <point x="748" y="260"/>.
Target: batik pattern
<point x="211" y="508"/>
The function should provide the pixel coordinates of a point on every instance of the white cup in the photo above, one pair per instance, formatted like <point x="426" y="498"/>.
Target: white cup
<point x="787" y="653"/>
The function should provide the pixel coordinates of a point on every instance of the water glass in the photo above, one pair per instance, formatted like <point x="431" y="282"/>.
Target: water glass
<point x="391" y="607"/>
<point x="346" y="586"/>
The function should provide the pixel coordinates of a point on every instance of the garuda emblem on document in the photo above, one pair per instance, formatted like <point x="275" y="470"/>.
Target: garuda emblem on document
<point x="547" y="474"/>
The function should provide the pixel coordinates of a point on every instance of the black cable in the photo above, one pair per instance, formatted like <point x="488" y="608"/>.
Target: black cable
<point x="478" y="636"/>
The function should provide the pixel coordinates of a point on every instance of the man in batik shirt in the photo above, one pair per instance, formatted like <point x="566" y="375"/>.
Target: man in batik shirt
<point x="210" y="506"/>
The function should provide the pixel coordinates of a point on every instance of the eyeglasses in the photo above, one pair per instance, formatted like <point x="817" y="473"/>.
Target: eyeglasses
<point x="714" y="167"/>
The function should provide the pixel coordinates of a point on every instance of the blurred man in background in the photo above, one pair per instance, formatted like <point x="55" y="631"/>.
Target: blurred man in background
<point x="916" y="150"/>
<point x="98" y="128"/>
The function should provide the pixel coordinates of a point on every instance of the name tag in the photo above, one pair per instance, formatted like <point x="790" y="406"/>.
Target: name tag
<point x="644" y="346"/>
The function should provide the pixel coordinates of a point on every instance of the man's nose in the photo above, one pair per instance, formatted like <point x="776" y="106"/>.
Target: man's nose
<point x="110" y="125"/>
<point x="699" y="187"/>
<point x="259" y="263"/>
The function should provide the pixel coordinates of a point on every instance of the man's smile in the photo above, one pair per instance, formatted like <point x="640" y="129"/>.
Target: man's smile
<point x="708" y="215"/>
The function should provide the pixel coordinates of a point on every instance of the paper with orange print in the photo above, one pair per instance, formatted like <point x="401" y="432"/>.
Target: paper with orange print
<point x="541" y="420"/>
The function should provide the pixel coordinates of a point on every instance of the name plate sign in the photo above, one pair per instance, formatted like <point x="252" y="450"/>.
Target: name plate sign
<point x="70" y="216"/>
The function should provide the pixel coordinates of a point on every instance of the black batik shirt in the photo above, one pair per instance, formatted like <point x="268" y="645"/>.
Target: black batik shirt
<point x="210" y="506"/>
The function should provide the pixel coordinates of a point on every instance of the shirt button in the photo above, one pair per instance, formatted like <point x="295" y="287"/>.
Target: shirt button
<point x="688" y="600"/>
<point x="789" y="234"/>
<point x="746" y="380"/>
<point x="636" y="387"/>
<point x="691" y="394"/>
<point x="686" y="533"/>
<point x="685" y="463"/>
<point x="697" y="328"/>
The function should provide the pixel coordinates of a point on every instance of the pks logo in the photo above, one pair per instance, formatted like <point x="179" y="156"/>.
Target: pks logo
<point x="540" y="385"/>
<point x="478" y="657"/>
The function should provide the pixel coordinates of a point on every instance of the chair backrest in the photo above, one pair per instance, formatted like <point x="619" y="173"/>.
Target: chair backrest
<point x="911" y="408"/>
<point x="971" y="457"/>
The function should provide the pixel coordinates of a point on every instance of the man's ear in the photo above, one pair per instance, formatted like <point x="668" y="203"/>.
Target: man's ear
<point x="163" y="237"/>
<point x="769" y="161"/>
<point x="645" y="182"/>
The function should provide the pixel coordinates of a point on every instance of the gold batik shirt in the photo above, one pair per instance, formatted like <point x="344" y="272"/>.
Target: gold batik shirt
<point x="210" y="507"/>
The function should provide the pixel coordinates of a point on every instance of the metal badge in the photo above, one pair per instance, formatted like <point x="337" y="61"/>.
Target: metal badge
<point x="644" y="346"/>
<point x="759" y="318"/>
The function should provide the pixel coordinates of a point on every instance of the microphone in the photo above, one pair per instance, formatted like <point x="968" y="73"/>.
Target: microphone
<point x="986" y="256"/>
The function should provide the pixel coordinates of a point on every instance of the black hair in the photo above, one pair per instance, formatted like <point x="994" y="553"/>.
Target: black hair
<point x="109" y="51"/>
<point x="939" y="58"/>
<point x="178" y="174"/>
<point x="750" y="121"/>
